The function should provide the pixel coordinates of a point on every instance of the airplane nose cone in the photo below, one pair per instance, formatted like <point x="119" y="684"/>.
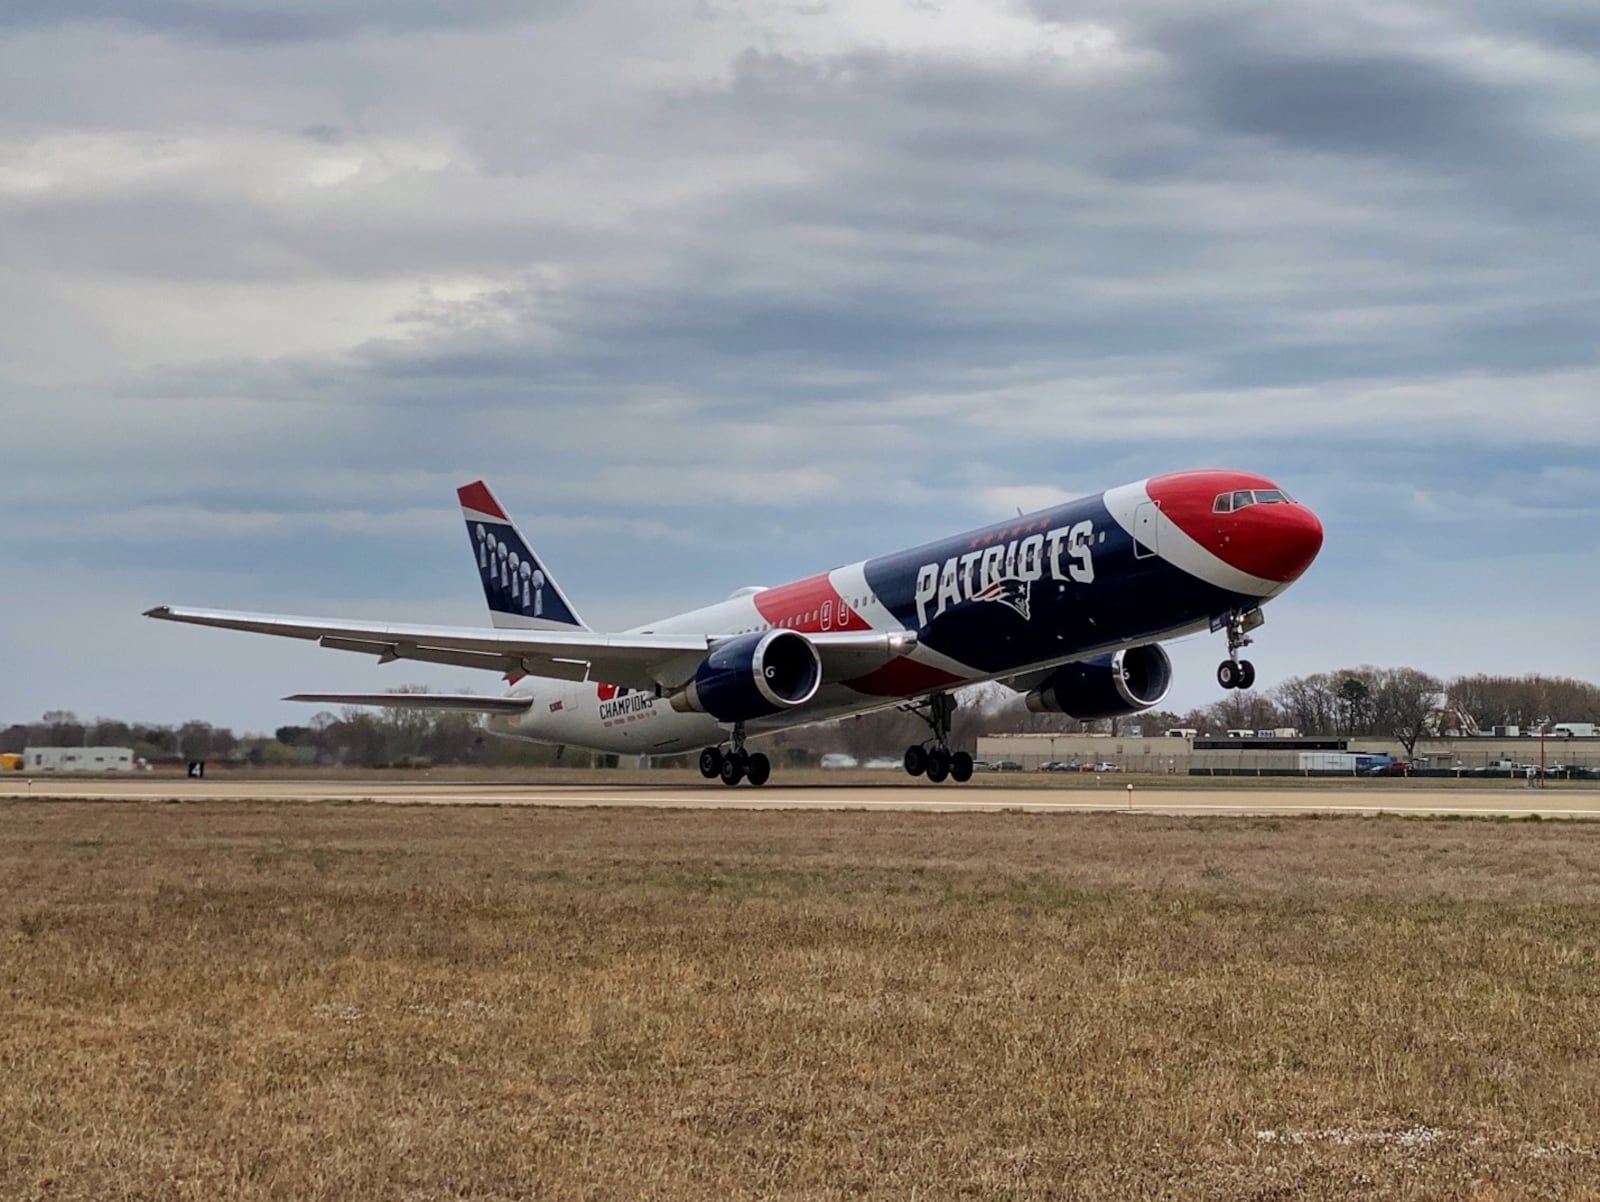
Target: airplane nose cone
<point x="1279" y="544"/>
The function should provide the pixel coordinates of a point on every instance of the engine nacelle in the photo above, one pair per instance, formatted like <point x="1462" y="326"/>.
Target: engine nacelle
<point x="753" y="676"/>
<point x="1112" y="686"/>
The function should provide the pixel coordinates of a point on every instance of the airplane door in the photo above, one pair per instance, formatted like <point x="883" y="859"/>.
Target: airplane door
<point x="1145" y="526"/>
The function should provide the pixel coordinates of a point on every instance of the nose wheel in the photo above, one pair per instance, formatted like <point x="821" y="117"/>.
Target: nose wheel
<point x="1236" y="674"/>
<point x="1233" y="672"/>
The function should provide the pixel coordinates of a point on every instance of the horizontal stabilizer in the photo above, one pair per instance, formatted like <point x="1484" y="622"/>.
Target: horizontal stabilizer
<point x="467" y="702"/>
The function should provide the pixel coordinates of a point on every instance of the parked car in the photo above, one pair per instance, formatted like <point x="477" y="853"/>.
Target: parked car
<point x="1005" y="766"/>
<point x="1393" y="768"/>
<point x="1105" y="766"/>
<point x="1058" y="766"/>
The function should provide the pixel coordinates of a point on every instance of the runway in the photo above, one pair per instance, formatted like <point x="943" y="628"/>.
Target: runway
<point x="1512" y="801"/>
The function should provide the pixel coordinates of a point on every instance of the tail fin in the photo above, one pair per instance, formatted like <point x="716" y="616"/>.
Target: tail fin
<point x="522" y="595"/>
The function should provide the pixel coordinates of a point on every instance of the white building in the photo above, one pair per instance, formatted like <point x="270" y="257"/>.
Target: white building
<point x="78" y="759"/>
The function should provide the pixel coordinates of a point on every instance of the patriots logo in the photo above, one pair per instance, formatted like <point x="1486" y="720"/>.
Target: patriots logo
<point x="1012" y="592"/>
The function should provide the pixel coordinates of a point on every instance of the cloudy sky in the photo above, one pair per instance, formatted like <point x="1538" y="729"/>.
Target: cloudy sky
<point x="722" y="292"/>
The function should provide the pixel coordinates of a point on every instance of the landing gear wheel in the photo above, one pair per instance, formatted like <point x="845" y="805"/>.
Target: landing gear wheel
<point x="732" y="770"/>
<point x="916" y="760"/>
<point x="938" y="765"/>
<point x="961" y="767"/>
<point x="758" y="769"/>
<point x="1233" y="672"/>
<point x="711" y="762"/>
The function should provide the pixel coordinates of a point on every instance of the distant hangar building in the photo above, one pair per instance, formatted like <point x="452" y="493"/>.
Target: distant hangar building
<point x="78" y="759"/>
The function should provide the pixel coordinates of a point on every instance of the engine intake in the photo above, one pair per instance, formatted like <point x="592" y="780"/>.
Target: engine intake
<point x="753" y="676"/>
<point x="1112" y="686"/>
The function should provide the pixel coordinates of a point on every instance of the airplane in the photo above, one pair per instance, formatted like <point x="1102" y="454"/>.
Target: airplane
<point x="1067" y="605"/>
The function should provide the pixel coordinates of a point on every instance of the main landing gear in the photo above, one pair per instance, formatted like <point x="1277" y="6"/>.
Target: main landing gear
<point x="736" y="764"/>
<point x="1233" y="672"/>
<point x="938" y="762"/>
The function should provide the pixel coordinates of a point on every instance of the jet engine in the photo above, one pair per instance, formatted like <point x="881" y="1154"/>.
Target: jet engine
<point x="753" y="676"/>
<point x="1112" y="686"/>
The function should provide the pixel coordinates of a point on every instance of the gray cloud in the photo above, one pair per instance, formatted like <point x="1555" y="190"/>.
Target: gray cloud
<point x="283" y="22"/>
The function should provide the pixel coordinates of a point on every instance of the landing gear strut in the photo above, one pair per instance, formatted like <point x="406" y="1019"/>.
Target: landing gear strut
<point x="937" y="762"/>
<point x="736" y="764"/>
<point x="1233" y="672"/>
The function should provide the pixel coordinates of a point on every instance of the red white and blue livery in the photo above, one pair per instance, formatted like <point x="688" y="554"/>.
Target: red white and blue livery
<point x="1068" y="605"/>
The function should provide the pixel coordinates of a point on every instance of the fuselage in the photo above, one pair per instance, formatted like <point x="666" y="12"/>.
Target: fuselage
<point x="1134" y="565"/>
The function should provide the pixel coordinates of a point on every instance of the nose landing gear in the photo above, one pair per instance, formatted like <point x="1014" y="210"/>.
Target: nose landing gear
<point x="1233" y="672"/>
<point x="736" y="764"/>
<point x="938" y="762"/>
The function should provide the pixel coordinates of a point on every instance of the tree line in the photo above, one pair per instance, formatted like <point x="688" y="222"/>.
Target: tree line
<point x="1404" y="704"/>
<point x="353" y="737"/>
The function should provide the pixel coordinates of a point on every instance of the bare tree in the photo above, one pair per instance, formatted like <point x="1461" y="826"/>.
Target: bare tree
<point x="1405" y="703"/>
<point x="1309" y="703"/>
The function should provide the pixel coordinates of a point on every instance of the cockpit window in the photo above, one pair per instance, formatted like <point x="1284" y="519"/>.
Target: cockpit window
<point x="1233" y="502"/>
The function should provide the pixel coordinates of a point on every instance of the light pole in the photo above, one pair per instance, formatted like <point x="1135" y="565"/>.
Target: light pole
<point x="1543" y="725"/>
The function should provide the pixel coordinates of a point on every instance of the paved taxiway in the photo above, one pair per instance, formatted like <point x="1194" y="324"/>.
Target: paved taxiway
<point x="1511" y="801"/>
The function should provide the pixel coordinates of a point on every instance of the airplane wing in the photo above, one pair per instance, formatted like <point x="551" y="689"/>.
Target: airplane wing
<point x="642" y="661"/>
<point x="470" y="703"/>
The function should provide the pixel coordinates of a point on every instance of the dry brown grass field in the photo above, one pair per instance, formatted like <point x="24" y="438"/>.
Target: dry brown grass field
<point x="203" y="1001"/>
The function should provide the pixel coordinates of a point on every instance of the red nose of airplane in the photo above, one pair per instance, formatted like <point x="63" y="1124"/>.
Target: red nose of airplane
<point x="1245" y="520"/>
<point x="1274" y="542"/>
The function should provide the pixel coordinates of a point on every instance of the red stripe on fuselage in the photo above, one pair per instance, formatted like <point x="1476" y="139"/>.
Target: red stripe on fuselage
<point x="903" y="678"/>
<point x="812" y="606"/>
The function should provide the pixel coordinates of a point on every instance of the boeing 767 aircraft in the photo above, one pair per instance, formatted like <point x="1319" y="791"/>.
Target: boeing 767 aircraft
<point x="1068" y="606"/>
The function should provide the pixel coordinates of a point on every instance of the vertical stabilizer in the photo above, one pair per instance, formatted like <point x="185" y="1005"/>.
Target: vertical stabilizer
<point x="521" y="593"/>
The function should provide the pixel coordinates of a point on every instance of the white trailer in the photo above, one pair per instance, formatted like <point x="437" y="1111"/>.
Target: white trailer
<point x="78" y="759"/>
<point x="1328" y="761"/>
<point x="1342" y="761"/>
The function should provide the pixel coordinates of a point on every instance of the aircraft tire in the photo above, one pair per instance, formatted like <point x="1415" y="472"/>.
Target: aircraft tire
<point x="938" y="765"/>
<point x="711" y="763"/>
<point x="1228" y="674"/>
<point x="1247" y="674"/>
<point x="916" y="760"/>
<point x="759" y="769"/>
<point x="961" y="767"/>
<point x="732" y="770"/>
